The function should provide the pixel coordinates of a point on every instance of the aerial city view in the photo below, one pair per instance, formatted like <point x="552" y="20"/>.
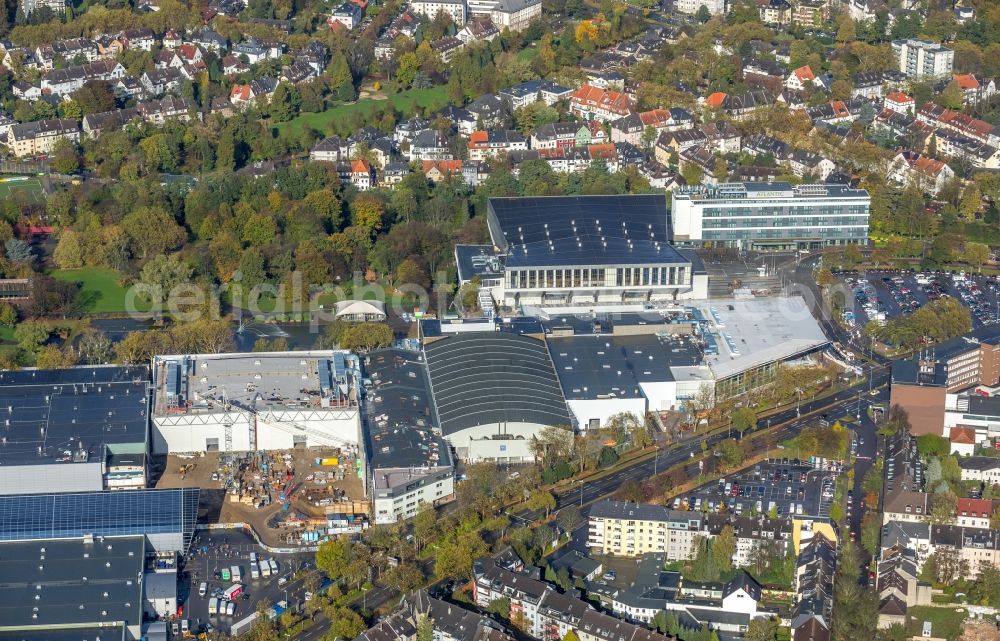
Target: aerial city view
<point x="500" y="320"/>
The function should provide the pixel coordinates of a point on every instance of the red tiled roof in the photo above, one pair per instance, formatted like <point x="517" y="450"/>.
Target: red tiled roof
<point x="240" y="92"/>
<point x="966" y="81"/>
<point x="443" y="166"/>
<point x="805" y="74"/>
<point x="898" y="97"/>
<point x="359" y="167"/>
<point x="981" y="508"/>
<point x="960" y="433"/>
<point x="654" y="117"/>
<point x="479" y="136"/>
<point x="591" y="96"/>
<point x="715" y="100"/>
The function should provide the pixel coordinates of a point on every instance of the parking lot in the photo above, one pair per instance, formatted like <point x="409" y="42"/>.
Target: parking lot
<point x="215" y="551"/>
<point x="787" y="485"/>
<point x="882" y="296"/>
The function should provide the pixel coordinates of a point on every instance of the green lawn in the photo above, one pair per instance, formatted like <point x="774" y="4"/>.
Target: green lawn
<point x="432" y="99"/>
<point x="528" y="53"/>
<point x="22" y="189"/>
<point x="99" y="288"/>
<point x="946" y="622"/>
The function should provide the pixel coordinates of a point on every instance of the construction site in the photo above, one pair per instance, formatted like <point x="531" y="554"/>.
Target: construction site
<point x="277" y="434"/>
<point x="290" y="498"/>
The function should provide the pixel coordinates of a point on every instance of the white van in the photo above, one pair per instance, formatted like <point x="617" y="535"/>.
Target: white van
<point x="253" y="557"/>
<point x="231" y="608"/>
<point x="203" y="589"/>
<point x="213" y="606"/>
<point x="185" y="627"/>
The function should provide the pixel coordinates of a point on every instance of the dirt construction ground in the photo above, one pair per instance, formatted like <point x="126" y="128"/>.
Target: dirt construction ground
<point x="219" y="506"/>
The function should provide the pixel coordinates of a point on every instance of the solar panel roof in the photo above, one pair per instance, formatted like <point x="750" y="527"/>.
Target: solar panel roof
<point x="487" y="378"/>
<point x="121" y="513"/>
<point x="583" y="230"/>
<point x="50" y="415"/>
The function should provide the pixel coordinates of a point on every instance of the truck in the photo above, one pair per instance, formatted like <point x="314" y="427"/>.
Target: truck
<point x="254" y="571"/>
<point x="226" y="576"/>
<point x="233" y="592"/>
<point x="273" y="565"/>
<point x="237" y="573"/>
<point x="213" y="606"/>
<point x="265" y="568"/>
<point x="253" y="557"/>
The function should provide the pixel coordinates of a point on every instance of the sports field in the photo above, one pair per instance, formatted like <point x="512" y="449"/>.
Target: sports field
<point x="26" y="189"/>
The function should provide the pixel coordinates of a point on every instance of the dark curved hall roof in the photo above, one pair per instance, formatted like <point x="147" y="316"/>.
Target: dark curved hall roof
<point x="491" y="378"/>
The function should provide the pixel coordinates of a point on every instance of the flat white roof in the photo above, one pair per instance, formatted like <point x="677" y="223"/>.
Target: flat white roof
<point x="758" y="331"/>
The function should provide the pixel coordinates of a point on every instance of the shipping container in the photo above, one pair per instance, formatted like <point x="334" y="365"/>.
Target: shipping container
<point x="242" y="626"/>
<point x="330" y="461"/>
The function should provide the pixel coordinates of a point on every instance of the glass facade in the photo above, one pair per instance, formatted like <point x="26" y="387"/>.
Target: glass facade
<point x="583" y="277"/>
<point x="128" y="512"/>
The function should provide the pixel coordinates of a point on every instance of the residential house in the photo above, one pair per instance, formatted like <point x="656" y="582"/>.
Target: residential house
<point x="40" y="136"/>
<point x="775" y="12"/>
<point x="959" y="122"/>
<point x="900" y="103"/>
<point x="252" y="49"/>
<point x="490" y="143"/>
<point x="837" y="111"/>
<point x="660" y="176"/>
<point x="25" y="91"/>
<point x="209" y="39"/>
<point x="898" y="586"/>
<point x="330" y="149"/>
<point x="671" y="143"/>
<point x="62" y="82"/>
<point x="740" y="106"/>
<point x="407" y="130"/>
<point x="867" y="84"/>
<point x="346" y="16"/>
<point x="812" y="612"/>
<point x="429" y="144"/>
<point x="463" y="120"/>
<point x="440" y="170"/>
<point x="447" y="47"/>
<point x="764" y="145"/>
<point x="97" y="123"/>
<point x="721" y="137"/>
<point x="558" y="135"/>
<point x="393" y="173"/>
<point x="962" y="441"/>
<point x="158" y="112"/>
<point x="703" y="158"/>
<point x="129" y="88"/>
<point x="811" y="13"/>
<point x="593" y="103"/>
<point x="172" y="39"/>
<point x="975" y="89"/>
<point x="632" y="529"/>
<point x="806" y="163"/>
<point x="545" y="612"/>
<point x="356" y="172"/>
<point x="232" y="66"/>
<point x="248" y="95"/>
<point x="454" y="9"/>
<point x="910" y="167"/>
<point x="534" y="91"/>
<point x="985" y="469"/>
<point x="75" y="51"/>
<point x="633" y="128"/>
<point x="159" y="81"/>
<point x="800" y="78"/>
<point x="488" y="110"/>
<point x="479" y="29"/>
<point x="973" y="512"/>
<point x="109" y="47"/>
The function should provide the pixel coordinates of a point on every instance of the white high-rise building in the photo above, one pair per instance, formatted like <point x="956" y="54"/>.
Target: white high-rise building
<point x="920" y="58"/>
